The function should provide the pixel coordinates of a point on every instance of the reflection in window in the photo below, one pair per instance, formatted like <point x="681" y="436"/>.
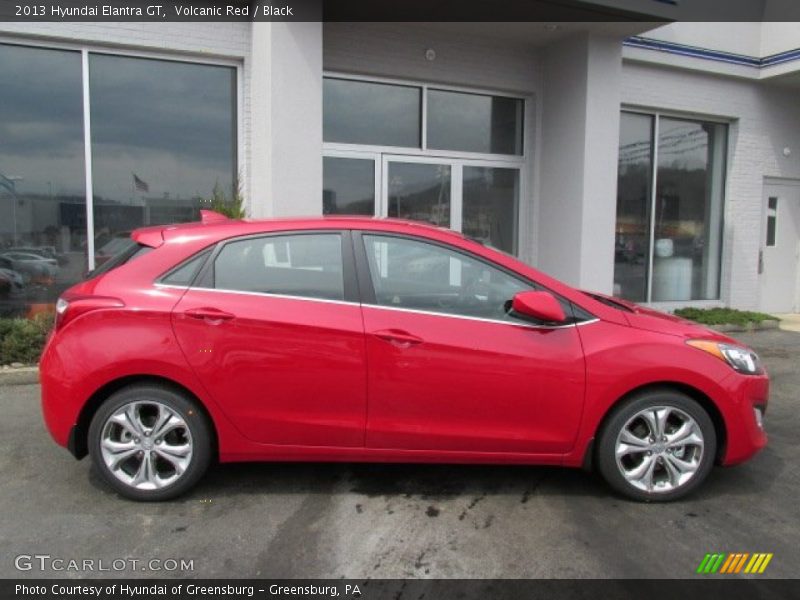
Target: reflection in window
<point x="308" y="265"/>
<point x="688" y="210"/>
<point x="634" y="197"/>
<point x="686" y="219"/>
<point x="772" y="220"/>
<point x="42" y="206"/>
<point x="420" y="192"/>
<point x="361" y="112"/>
<point x="411" y="274"/>
<point x="490" y="206"/>
<point x="348" y="186"/>
<point x="163" y="135"/>
<point x="474" y="123"/>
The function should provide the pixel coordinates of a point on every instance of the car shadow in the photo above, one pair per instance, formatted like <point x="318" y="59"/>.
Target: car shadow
<point x="438" y="482"/>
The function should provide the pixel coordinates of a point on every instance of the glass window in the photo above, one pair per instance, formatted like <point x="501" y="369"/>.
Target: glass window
<point x="634" y="197"/>
<point x="362" y="112"/>
<point x="307" y="265"/>
<point x="418" y="275"/>
<point x="348" y="186"/>
<point x="420" y="191"/>
<point x="474" y="123"/>
<point x="772" y="220"/>
<point x="688" y="210"/>
<point x="42" y="197"/>
<point x="184" y="274"/>
<point x="163" y="136"/>
<point x="686" y="217"/>
<point x="490" y="200"/>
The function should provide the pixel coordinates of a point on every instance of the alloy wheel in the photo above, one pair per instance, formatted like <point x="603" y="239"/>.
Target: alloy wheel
<point x="659" y="449"/>
<point x="146" y="445"/>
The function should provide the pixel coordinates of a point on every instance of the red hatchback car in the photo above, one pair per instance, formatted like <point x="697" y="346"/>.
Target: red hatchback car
<point x="360" y="339"/>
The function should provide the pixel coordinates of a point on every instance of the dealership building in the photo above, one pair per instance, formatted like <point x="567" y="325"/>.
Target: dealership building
<point x="660" y="163"/>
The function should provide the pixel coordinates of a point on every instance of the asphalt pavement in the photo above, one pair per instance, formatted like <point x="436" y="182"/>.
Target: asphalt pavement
<point x="397" y="521"/>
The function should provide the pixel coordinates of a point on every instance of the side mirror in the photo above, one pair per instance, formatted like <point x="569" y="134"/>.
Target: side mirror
<point x="541" y="306"/>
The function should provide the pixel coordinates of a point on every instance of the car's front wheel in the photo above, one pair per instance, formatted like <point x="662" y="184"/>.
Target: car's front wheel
<point x="657" y="446"/>
<point x="149" y="442"/>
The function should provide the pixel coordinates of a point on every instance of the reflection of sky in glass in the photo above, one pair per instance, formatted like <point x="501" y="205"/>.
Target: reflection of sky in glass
<point x="682" y="144"/>
<point x="170" y="123"/>
<point x="474" y="123"/>
<point x="41" y="121"/>
<point x="358" y="112"/>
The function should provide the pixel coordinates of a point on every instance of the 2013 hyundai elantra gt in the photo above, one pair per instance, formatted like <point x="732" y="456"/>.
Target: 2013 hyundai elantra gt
<point x="359" y="339"/>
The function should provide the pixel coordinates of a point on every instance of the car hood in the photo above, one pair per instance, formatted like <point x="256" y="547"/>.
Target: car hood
<point x="648" y="319"/>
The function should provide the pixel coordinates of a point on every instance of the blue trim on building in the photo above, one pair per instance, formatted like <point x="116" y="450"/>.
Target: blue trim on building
<point x="716" y="55"/>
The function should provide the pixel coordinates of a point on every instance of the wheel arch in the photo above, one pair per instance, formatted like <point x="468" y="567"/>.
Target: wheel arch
<point x="694" y="393"/>
<point x="80" y="434"/>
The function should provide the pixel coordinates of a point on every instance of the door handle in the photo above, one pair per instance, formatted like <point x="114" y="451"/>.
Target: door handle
<point x="212" y="315"/>
<point x="398" y="337"/>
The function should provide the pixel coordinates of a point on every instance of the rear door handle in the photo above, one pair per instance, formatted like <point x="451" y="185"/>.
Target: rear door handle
<point x="398" y="337"/>
<point x="209" y="314"/>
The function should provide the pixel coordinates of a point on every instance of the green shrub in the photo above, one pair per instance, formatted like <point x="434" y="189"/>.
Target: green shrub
<point x="22" y="340"/>
<point x="723" y="316"/>
<point x="232" y="207"/>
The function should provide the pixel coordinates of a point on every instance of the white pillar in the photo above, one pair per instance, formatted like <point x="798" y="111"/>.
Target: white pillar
<point x="285" y="170"/>
<point x="580" y="143"/>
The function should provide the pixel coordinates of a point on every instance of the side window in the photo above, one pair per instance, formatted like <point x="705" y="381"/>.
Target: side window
<point x="412" y="274"/>
<point x="184" y="273"/>
<point x="308" y="265"/>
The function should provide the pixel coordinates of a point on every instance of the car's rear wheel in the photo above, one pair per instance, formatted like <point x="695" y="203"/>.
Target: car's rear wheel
<point x="657" y="446"/>
<point x="149" y="442"/>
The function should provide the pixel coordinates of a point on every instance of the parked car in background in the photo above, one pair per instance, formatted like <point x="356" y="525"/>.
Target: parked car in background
<point x="43" y="251"/>
<point x="33" y="267"/>
<point x="360" y="339"/>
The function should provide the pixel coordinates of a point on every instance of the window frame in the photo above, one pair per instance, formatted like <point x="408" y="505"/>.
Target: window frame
<point x="85" y="49"/>
<point x="657" y="115"/>
<point x="204" y="278"/>
<point x="576" y="315"/>
<point x="528" y="117"/>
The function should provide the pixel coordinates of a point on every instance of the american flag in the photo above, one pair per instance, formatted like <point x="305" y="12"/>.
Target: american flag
<point x="140" y="184"/>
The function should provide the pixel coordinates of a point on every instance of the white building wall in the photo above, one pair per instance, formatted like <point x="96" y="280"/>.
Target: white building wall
<point x="764" y="120"/>
<point x="580" y="143"/>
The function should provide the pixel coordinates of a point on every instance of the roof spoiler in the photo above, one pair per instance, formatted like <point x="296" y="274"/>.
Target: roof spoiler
<point x="210" y="216"/>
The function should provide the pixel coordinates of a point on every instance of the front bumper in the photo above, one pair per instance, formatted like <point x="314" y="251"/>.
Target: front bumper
<point x="744" y="435"/>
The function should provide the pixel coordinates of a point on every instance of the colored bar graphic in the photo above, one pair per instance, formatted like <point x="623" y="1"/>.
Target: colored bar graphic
<point x="732" y="563"/>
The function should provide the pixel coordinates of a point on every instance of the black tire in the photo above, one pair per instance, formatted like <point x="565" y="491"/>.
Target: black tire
<point x="627" y="410"/>
<point x="184" y="407"/>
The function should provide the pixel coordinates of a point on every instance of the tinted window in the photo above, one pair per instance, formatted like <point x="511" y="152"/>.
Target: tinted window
<point x="418" y="275"/>
<point x="42" y="198"/>
<point x="307" y="265"/>
<point x="125" y="252"/>
<point x="163" y="136"/>
<point x="184" y="274"/>
<point x="474" y="122"/>
<point x="362" y="112"/>
<point x="348" y="186"/>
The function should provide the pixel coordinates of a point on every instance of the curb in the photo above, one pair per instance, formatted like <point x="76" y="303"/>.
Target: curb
<point x="21" y="376"/>
<point x="760" y="326"/>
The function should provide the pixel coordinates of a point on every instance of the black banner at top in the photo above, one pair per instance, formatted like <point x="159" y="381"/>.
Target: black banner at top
<point x="395" y="10"/>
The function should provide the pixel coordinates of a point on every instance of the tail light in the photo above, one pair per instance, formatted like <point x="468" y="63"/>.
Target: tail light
<point x="69" y="308"/>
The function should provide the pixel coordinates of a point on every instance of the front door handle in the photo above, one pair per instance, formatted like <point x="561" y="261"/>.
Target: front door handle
<point x="398" y="337"/>
<point x="210" y="314"/>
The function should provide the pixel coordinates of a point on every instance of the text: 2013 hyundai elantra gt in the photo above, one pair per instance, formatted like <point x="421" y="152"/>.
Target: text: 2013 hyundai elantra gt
<point x="357" y="339"/>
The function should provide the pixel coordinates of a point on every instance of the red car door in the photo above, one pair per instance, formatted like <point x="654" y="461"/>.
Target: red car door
<point x="274" y="334"/>
<point x="449" y="370"/>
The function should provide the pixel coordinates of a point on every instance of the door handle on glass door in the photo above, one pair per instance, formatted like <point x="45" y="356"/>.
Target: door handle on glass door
<point x="398" y="337"/>
<point x="212" y="315"/>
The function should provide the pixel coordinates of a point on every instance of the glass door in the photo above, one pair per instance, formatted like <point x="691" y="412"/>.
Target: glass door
<point x="420" y="189"/>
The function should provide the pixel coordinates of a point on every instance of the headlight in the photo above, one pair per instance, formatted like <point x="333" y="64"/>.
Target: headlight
<point x="741" y="359"/>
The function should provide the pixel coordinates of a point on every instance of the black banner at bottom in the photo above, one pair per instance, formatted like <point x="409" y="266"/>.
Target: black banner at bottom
<point x="400" y="589"/>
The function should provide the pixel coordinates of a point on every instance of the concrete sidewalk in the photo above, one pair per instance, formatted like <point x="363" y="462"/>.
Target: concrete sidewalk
<point x="790" y="322"/>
